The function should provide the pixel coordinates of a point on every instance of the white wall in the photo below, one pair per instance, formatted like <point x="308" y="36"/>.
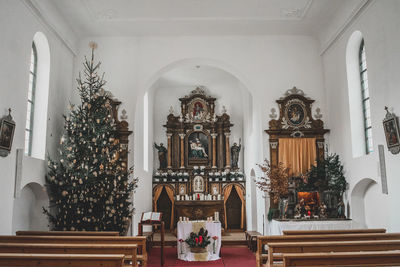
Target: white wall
<point x="379" y="23"/>
<point x="19" y="23"/>
<point x="265" y="65"/>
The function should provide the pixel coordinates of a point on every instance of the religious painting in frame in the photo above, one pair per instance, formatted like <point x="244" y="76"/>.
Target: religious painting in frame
<point x="214" y="189"/>
<point x="7" y="127"/>
<point x="198" y="184"/>
<point x="198" y="110"/>
<point x="198" y="145"/>
<point x="295" y="113"/>
<point x="391" y="128"/>
<point x="182" y="189"/>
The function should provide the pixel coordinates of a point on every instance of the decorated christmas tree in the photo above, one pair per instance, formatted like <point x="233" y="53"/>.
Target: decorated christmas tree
<point x="89" y="187"/>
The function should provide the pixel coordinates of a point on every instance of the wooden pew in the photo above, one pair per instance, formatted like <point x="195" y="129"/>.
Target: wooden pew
<point x="60" y="260"/>
<point x="68" y="233"/>
<point x="372" y="258"/>
<point x="332" y="246"/>
<point x="333" y="232"/>
<point x="264" y="240"/>
<point x="138" y="240"/>
<point x="251" y="237"/>
<point x="130" y="251"/>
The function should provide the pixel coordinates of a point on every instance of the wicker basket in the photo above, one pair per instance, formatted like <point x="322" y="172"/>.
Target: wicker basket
<point x="198" y="250"/>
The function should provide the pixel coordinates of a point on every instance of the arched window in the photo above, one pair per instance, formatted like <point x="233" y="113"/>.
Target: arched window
<point x="38" y="95"/>
<point x="359" y="100"/>
<point x="365" y="99"/>
<point x="31" y="101"/>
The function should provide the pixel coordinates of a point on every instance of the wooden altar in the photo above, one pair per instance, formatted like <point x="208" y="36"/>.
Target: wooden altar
<point x="198" y="210"/>
<point x="196" y="177"/>
<point x="294" y="122"/>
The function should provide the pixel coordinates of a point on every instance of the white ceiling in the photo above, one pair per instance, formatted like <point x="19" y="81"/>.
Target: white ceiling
<point x="193" y="76"/>
<point x="196" y="17"/>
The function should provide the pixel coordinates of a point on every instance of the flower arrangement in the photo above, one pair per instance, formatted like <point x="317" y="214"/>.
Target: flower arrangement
<point x="200" y="240"/>
<point x="275" y="180"/>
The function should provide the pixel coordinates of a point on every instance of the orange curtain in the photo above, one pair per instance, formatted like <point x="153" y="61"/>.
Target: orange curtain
<point x="157" y="194"/>
<point x="227" y="192"/>
<point x="170" y="193"/>
<point x="240" y="192"/>
<point x="297" y="153"/>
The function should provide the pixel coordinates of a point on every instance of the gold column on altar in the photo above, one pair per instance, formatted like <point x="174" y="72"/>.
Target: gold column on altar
<point x="227" y="150"/>
<point x="214" y="147"/>
<point x="169" y="160"/>
<point x="182" y="137"/>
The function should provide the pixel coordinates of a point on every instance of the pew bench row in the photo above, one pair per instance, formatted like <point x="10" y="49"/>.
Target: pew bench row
<point x="132" y="248"/>
<point x="279" y="246"/>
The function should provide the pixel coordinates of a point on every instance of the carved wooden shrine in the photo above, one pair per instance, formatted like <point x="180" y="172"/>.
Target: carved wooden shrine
<point x="198" y="179"/>
<point x="295" y="121"/>
<point x="122" y="132"/>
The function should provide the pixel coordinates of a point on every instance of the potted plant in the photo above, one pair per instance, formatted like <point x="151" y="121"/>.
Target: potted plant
<point x="198" y="242"/>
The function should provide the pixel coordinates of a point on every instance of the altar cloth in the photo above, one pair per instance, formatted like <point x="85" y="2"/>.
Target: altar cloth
<point x="276" y="227"/>
<point x="183" y="231"/>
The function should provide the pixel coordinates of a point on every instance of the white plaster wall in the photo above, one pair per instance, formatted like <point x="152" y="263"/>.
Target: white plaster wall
<point x="265" y="65"/>
<point x="19" y="25"/>
<point x="379" y="24"/>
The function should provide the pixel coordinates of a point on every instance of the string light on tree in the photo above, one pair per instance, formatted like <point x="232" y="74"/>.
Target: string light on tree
<point x="81" y="183"/>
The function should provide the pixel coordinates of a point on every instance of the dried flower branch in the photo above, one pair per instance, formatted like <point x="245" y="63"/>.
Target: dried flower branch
<point x="275" y="180"/>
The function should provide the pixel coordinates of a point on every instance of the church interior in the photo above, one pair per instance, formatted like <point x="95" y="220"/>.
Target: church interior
<point x="199" y="132"/>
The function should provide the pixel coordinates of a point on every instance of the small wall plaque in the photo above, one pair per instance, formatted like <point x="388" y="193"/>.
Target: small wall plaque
<point x="7" y="128"/>
<point x="391" y="128"/>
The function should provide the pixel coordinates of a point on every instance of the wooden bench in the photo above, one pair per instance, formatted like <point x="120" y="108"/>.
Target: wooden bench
<point x="251" y="237"/>
<point x="68" y="233"/>
<point x="332" y="246"/>
<point x="130" y="251"/>
<point x="265" y="240"/>
<point x="333" y="232"/>
<point x="60" y="260"/>
<point x="140" y="241"/>
<point x="372" y="258"/>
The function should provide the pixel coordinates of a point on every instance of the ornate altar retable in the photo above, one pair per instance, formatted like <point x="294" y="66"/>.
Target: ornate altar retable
<point x="198" y="173"/>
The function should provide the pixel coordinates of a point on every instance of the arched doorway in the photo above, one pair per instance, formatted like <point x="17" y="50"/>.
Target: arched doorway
<point x="164" y="205"/>
<point x="234" y="210"/>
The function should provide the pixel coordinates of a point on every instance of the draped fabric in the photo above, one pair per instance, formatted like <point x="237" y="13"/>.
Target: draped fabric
<point x="157" y="194"/>
<point x="227" y="192"/>
<point x="240" y="192"/>
<point x="298" y="154"/>
<point x="170" y="193"/>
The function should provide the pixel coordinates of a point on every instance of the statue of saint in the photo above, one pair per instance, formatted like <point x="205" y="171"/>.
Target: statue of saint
<point x="340" y="209"/>
<point x="197" y="149"/>
<point x="235" y="150"/>
<point x="322" y="211"/>
<point x="162" y="155"/>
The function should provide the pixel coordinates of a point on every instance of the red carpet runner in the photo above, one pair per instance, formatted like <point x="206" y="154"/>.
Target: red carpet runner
<point x="231" y="257"/>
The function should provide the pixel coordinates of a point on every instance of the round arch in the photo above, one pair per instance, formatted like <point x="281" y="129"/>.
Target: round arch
<point x="357" y="199"/>
<point x="144" y="138"/>
<point x="27" y="210"/>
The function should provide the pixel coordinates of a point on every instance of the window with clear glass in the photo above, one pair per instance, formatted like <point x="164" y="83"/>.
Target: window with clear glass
<point x="31" y="101"/>
<point x="365" y="99"/>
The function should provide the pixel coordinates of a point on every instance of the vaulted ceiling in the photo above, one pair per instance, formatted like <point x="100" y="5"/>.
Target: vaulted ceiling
<point x="197" y="17"/>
